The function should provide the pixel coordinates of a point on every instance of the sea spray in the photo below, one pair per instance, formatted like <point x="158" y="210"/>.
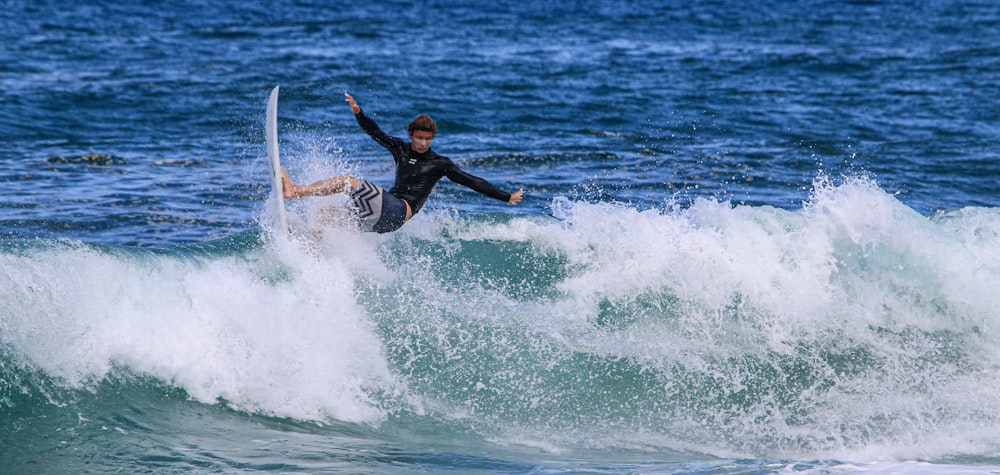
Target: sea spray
<point x="242" y="329"/>
<point x="834" y="330"/>
<point x="850" y="327"/>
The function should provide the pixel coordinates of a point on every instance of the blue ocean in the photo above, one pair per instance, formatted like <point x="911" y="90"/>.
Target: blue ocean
<point x="756" y="238"/>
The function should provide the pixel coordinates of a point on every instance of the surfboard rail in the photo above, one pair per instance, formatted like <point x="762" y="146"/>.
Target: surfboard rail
<point x="274" y="159"/>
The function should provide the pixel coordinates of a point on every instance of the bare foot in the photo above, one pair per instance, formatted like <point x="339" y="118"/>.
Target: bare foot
<point x="287" y="187"/>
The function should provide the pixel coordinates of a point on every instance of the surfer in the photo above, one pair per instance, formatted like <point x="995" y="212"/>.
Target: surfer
<point x="418" y="169"/>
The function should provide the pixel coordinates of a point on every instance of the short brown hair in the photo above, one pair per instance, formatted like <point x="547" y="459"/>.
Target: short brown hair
<point x="422" y="122"/>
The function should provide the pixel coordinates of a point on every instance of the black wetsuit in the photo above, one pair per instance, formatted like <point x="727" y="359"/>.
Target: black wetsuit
<point x="417" y="173"/>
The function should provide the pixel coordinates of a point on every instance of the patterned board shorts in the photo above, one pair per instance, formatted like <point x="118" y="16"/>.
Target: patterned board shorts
<point x="377" y="211"/>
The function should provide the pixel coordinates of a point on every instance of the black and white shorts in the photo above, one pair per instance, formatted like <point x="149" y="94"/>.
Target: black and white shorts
<point x="377" y="210"/>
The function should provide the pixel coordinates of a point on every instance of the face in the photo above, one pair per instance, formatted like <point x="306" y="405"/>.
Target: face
<point x="421" y="141"/>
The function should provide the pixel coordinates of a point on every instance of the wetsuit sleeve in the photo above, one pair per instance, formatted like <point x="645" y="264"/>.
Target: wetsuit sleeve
<point x="376" y="133"/>
<point x="478" y="184"/>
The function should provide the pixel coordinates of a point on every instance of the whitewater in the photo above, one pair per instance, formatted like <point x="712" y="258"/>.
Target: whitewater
<point x="851" y="329"/>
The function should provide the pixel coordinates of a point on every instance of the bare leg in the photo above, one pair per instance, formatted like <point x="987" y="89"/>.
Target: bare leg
<point x="338" y="184"/>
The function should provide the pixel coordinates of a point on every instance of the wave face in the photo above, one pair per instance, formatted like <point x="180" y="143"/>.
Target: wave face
<point x="854" y="328"/>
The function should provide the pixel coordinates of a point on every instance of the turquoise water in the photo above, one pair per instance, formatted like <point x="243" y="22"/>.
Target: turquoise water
<point x="753" y="240"/>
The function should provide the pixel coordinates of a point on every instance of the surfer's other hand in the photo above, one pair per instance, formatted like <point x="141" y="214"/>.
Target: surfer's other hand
<point x="516" y="197"/>
<point x="354" y="105"/>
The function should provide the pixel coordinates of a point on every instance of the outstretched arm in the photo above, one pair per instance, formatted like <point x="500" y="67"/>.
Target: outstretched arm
<point x="370" y="127"/>
<point x="482" y="186"/>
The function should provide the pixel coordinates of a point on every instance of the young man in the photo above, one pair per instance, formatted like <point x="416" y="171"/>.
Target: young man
<point x="418" y="169"/>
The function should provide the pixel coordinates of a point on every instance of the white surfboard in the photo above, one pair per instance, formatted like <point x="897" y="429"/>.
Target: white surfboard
<point x="271" y="139"/>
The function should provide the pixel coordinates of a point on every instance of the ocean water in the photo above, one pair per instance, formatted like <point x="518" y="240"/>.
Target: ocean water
<point x="756" y="238"/>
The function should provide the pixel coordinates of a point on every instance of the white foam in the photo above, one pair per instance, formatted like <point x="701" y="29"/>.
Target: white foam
<point x="291" y="342"/>
<point x="855" y="273"/>
<point x="889" y="316"/>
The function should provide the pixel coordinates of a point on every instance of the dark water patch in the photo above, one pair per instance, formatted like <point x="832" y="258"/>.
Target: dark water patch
<point x="96" y="159"/>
